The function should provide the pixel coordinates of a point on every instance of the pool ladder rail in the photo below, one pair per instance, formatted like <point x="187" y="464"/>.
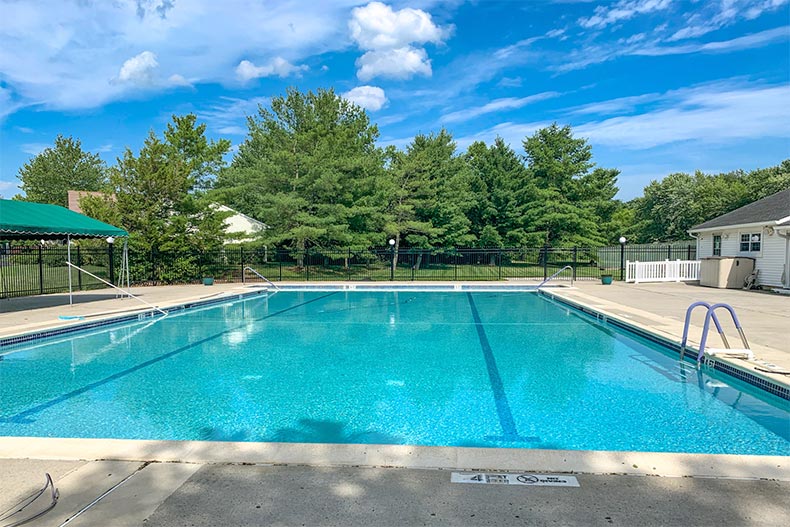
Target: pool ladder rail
<point x="745" y="352"/>
<point x="555" y="275"/>
<point x="259" y="275"/>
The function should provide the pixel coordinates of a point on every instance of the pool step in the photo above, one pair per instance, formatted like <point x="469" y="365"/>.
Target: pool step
<point x="742" y="353"/>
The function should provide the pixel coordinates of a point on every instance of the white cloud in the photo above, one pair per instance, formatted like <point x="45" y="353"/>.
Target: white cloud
<point x="232" y="130"/>
<point x="401" y="63"/>
<point x="377" y="26"/>
<point x="24" y="129"/>
<point x="178" y="80"/>
<point x="229" y="114"/>
<point x="512" y="133"/>
<point x="107" y="147"/>
<point x="603" y="53"/>
<point x="497" y="105"/>
<point x="735" y="44"/>
<point x="759" y="8"/>
<point x="67" y="55"/>
<point x="34" y="148"/>
<point x="392" y="41"/>
<point x="139" y="69"/>
<point x="615" y="106"/>
<point x="622" y="10"/>
<point x="716" y="113"/>
<point x="278" y="66"/>
<point x="713" y="16"/>
<point x="510" y="82"/>
<point x="371" y="98"/>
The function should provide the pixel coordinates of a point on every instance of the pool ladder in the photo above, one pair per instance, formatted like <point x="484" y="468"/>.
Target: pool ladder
<point x="744" y="352"/>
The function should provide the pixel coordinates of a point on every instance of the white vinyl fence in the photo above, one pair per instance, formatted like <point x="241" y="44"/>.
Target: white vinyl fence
<point x="666" y="271"/>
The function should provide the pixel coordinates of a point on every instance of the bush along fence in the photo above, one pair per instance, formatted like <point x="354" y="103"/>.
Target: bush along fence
<point x="37" y="270"/>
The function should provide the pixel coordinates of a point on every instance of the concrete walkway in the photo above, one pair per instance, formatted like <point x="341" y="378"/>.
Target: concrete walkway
<point x="177" y="494"/>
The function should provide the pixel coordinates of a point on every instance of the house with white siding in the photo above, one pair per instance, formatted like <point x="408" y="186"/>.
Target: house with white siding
<point x="242" y="227"/>
<point x="760" y="230"/>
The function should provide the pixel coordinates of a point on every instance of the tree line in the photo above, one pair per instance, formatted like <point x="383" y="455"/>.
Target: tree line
<point x="310" y="168"/>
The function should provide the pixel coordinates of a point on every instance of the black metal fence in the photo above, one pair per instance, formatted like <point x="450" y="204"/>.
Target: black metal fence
<point x="42" y="269"/>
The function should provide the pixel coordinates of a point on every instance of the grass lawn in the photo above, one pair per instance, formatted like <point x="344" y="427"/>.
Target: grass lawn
<point x="26" y="279"/>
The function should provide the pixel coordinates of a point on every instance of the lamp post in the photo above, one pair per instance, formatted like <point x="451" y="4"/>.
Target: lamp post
<point x="392" y="259"/>
<point x="622" y="257"/>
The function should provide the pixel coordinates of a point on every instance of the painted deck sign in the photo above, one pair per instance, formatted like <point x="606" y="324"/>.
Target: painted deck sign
<point x="534" y="480"/>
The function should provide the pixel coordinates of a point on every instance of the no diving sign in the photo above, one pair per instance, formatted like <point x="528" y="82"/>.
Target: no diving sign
<point x="534" y="480"/>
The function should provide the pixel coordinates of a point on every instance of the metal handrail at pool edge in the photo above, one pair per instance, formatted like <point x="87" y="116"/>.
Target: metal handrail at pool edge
<point x="259" y="275"/>
<point x="124" y="291"/>
<point x="555" y="274"/>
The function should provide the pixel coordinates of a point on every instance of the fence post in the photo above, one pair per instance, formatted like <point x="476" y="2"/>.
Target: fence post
<point x="40" y="270"/>
<point x="669" y="252"/>
<point x="500" y="263"/>
<point x="455" y="264"/>
<point x="280" y="262"/>
<point x="688" y="252"/>
<point x="545" y="261"/>
<point x="573" y="270"/>
<point x="241" y="258"/>
<point x="348" y="264"/>
<point x="307" y="264"/>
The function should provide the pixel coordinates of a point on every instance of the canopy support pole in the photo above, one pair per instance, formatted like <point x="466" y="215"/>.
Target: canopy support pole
<point x="126" y="261"/>
<point x="68" y="252"/>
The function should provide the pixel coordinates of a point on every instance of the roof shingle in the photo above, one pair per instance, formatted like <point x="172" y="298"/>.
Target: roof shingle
<point x="769" y="209"/>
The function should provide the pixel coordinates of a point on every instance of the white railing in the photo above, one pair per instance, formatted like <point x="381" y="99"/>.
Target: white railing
<point x="666" y="271"/>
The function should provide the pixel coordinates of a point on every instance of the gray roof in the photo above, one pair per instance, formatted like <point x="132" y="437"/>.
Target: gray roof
<point x="771" y="209"/>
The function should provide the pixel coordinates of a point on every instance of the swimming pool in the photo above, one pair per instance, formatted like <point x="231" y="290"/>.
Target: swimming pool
<point x="461" y="368"/>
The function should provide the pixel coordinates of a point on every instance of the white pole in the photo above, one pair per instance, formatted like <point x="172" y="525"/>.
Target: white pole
<point x="126" y="259"/>
<point x="68" y="252"/>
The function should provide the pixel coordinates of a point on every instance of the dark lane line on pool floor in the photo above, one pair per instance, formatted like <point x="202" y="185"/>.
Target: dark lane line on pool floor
<point x="506" y="421"/>
<point x="20" y="417"/>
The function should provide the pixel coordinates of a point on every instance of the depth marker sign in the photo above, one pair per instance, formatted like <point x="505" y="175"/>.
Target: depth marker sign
<point x="532" y="480"/>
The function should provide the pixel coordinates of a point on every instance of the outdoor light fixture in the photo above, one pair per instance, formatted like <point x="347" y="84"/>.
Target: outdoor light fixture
<point x="110" y="240"/>
<point x="622" y="241"/>
<point x="392" y="242"/>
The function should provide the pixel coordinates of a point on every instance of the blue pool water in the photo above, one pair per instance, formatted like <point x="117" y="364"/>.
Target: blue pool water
<point x="426" y="368"/>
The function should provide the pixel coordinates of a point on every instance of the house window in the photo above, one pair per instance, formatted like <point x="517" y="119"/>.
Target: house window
<point x="717" y="245"/>
<point x="751" y="242"/>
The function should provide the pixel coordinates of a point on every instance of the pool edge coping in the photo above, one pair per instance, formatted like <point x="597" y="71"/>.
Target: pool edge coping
<point x="663" y="464"/>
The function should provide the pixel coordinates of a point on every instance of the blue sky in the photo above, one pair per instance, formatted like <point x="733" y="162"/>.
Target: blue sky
<point x="657" y="86"/>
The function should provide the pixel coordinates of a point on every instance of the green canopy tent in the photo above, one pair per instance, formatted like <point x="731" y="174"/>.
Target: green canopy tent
<point x="22" y="220"/>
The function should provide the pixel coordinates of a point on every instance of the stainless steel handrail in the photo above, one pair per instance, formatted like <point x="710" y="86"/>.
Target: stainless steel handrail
<point x="555" y="274"/>
<point x="124" y="291"/>
<point x="260" y="276"/>
<point x="53" y="500"/>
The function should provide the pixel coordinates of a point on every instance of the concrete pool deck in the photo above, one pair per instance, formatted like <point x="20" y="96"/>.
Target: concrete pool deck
<point x="204" y="483"/>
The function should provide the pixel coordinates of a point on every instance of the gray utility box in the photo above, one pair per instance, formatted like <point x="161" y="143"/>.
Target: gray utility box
<point x="725" y="271"/>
